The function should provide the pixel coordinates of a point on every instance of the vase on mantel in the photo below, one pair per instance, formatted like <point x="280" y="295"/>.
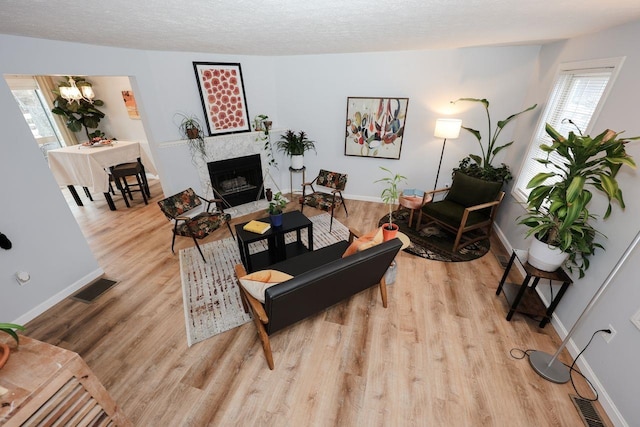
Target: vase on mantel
<point x="268" y="194"/>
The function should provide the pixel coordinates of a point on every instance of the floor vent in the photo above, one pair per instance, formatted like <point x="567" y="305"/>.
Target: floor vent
<point x="91" y="292"/>
<point x="587" y="411"/>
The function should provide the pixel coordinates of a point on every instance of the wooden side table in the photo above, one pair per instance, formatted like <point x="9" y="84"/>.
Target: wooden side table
<point x="42" y="384"/>
<point x="515" y="294"/>
<point x="412" y="200"/>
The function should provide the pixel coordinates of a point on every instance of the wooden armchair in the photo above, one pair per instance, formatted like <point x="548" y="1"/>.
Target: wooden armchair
<point x="468" y="209"/>
<point x="182" y="208"/>
<point x="327" y="201"/>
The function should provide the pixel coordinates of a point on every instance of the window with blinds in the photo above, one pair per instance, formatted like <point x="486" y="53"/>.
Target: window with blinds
<point x="576" y="97"/>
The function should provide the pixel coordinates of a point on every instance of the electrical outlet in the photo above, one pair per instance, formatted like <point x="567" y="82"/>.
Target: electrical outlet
<point x="23" y="277"/>
<point x="609" y="337"/>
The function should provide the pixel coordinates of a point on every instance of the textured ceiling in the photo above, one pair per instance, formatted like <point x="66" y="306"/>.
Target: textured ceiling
<point x="291" y="27"/>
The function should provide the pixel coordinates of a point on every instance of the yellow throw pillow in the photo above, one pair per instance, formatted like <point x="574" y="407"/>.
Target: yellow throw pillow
<point x="363" y="242"/>
<point x="257" y="282"/>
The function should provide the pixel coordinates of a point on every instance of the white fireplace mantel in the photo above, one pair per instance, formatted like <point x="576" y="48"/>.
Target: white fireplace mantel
<point x="230" y="146"/>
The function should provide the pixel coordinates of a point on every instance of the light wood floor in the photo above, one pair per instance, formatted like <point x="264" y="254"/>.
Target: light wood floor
<point x="439" y="355"/>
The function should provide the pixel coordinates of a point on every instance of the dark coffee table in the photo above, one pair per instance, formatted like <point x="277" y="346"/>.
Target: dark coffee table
<point x="278" y="250"/>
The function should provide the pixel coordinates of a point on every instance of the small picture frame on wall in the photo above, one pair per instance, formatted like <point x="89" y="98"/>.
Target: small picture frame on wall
<point x="223" y="97"/>
<point x="375" y="127"/>
<point x="130" y="104"/>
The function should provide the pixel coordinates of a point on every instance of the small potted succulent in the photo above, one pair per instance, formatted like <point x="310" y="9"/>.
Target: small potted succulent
<point x="389" y="196"/>
<point x="275" y="209"/>
<point x="9" y="328"/>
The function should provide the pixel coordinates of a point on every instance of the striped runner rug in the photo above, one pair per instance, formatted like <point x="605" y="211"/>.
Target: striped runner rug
<point x="212" y="303"/>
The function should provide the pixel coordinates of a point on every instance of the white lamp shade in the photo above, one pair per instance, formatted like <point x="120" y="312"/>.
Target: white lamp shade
<point x="70" y="93"/>
<point x="87" y="92"/>
<point x="447" y="128"/>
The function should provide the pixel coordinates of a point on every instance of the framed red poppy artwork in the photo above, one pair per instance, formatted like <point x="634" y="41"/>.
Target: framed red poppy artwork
<point x="223" y="97"/>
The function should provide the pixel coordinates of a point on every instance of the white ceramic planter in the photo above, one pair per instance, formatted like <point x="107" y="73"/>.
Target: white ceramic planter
<point x="297" y="162"/>
<point x="545" y="257"/>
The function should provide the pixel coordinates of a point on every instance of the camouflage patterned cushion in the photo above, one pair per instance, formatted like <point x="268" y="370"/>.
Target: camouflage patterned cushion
<point x="202" y="224"/>
<point x="322" y="201"/>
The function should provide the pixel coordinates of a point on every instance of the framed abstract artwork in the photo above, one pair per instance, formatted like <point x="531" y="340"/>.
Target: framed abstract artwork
<point x="375" y="127"/>
<point x="130" y="104"/>
<point x="223" y="97"/>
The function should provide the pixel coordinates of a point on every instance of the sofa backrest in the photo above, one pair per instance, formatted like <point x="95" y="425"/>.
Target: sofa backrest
<point x="317" y="289"/>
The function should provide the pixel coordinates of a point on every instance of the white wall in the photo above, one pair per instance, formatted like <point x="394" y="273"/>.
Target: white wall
<point x="116" y="123"/>
<point x="615" y="364"/>
<point x="313" y="91"/>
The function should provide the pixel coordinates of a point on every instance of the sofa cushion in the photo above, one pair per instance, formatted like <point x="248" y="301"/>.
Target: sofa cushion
<point x="257" y="282"/>
<point x="469" y="191"/>
<point x="451" y="213"/>
<point x="363" y="242"/>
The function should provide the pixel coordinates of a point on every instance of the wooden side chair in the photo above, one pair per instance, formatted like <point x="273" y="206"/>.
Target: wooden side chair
<point x="326" y="200"/>
<point x="468" y="209"/>
<point x="186" y="211"/>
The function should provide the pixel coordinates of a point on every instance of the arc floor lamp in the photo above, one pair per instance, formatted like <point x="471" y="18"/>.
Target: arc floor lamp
<point x="548" y="366"/>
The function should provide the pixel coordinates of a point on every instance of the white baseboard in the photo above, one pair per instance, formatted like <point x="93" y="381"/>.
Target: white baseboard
<point x="46" y="305"/>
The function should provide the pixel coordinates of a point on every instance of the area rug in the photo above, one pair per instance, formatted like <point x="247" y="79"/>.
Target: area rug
<point x="210" y="294"/>
<point x="433" y="242"/>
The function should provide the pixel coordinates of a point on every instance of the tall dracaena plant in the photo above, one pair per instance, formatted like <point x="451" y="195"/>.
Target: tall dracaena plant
<point x="391" y="192"/>
<point x="489" y="153"/>
<point x="558" y="202"/>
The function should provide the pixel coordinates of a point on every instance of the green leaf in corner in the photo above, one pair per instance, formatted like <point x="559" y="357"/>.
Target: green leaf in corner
<point x="9" y="328"/>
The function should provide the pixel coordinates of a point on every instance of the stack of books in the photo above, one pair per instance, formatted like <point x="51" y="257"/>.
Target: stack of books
<point x="258" y="227"/>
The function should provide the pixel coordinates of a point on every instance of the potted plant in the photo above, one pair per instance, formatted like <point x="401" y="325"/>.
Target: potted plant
<point x="262" y="124"/>
<point x="191" y="130"/>
<point x="481" y="166"/>
<point x="295" y="145"/>
<point x="557" y="206"/>
<point x="275" y="209"/>
<point x="9" y="328"/>
<point x="81" y="113"/>
<point x="389" y="196"/>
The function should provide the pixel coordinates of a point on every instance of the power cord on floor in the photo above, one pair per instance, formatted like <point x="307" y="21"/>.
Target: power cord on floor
<point x="525" y="353"/>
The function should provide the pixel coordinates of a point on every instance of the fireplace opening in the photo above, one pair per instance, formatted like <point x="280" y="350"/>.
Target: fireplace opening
<point x="238" y="180"/>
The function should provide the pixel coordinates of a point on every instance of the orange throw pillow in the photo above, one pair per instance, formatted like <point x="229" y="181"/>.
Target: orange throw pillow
<point x="366" y="241"/>
<point x="257" y="282"/>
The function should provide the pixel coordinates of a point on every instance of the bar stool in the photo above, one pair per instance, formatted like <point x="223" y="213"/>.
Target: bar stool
<point x="121" y="172"/>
